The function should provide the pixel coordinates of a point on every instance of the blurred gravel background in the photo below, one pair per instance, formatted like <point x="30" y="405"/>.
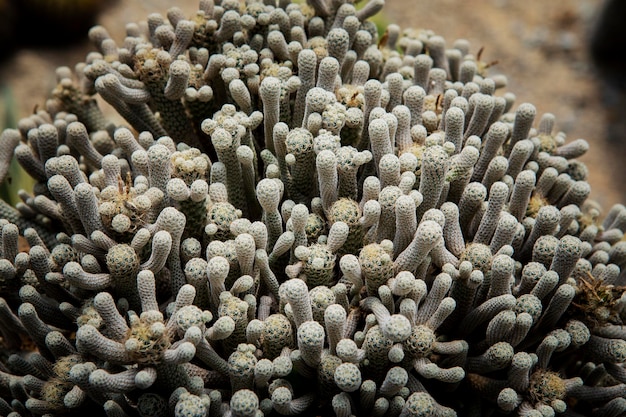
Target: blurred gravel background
<point x="542" y="47"/>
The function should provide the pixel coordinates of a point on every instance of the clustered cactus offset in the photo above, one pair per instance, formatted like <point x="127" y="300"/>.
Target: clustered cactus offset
<point x="288" y="214"/>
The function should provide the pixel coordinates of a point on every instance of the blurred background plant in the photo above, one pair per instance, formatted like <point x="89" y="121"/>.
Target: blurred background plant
<point x="17" y="178"/>
<point x="60" y="24"/>
<point x="37" y="23"/>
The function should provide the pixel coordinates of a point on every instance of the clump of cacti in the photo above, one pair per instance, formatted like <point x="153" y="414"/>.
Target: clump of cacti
<point x="294" y="216"/>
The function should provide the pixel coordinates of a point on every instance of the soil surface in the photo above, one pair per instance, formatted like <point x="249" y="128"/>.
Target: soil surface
<point x="542" y="47"/>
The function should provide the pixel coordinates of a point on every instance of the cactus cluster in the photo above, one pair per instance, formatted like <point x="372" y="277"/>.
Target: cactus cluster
<point x="288" y="214"/>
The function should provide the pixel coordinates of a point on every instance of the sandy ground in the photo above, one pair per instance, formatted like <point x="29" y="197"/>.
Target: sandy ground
<point x="540" y="46"/>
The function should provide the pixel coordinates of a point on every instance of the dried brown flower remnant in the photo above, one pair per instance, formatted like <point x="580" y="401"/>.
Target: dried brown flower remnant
<point x="546" y="386"/>
<point x="597" y="303"/>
